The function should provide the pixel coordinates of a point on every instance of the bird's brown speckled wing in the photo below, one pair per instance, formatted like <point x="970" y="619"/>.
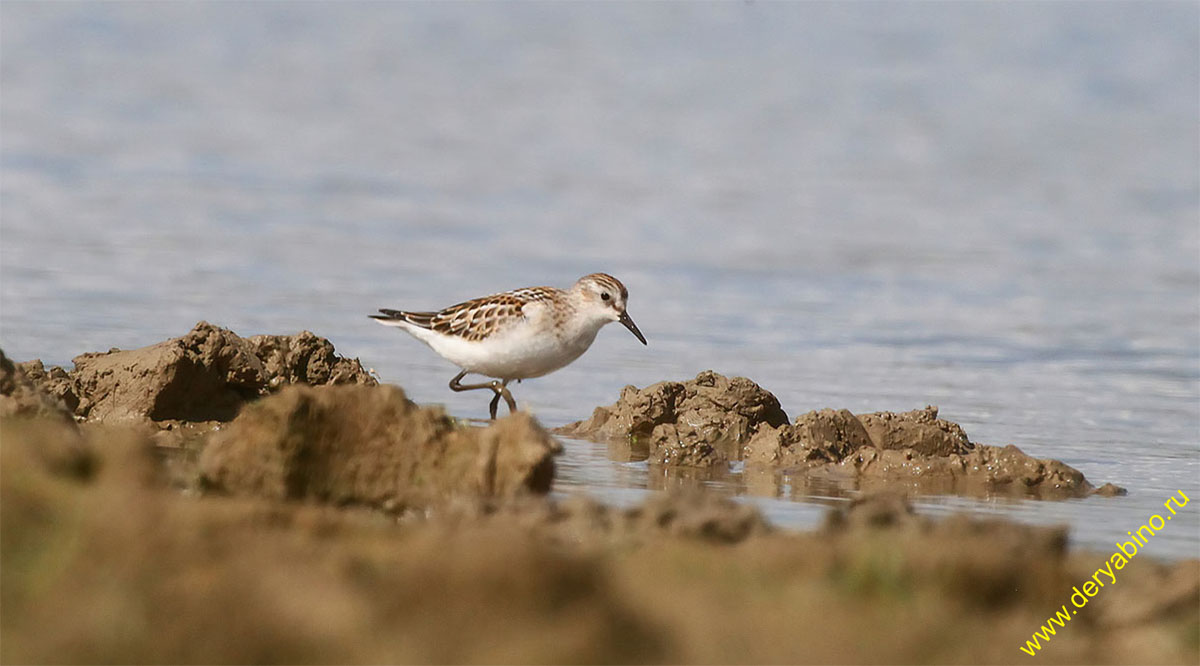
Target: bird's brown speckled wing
<point x="478" y="318"/>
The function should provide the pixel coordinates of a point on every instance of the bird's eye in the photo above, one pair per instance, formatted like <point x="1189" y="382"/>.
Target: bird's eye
<point x="604" y="296"/>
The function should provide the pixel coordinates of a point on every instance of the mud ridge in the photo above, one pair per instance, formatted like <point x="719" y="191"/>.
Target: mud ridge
<point x="712" y="420"/>
<point x="105" y="563"/>
<point x="206" y="375"/>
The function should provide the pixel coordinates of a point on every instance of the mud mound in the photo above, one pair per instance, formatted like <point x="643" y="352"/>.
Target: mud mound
<point x="986" y="468"/>
<point x="26" y="390"/>
<point x="920" y="430"/>
<point x="913" y="450"/>
<point x="980" y="563"/>
<point x="832" y="435"/>
<point x="690" y="514"/>
<point x="581" y="522"/>
<point x="305" y="358"/>
<point x="56" y="445"/>
<point x="372" y="446"/>
<point x="696" y="422"/>
<point x="109" y="570"/>
<point x="205" y="375"/>
<point x="711" y="420"/>
<point x="110" y="567"/>
<point x="700" y="515"/>
<point x="888" y="510"/>
<point x="825" y="436"/>
<point x="873" y="510"/>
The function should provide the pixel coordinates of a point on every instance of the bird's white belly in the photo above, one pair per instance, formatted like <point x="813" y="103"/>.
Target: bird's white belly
<point x="516" y="354"/>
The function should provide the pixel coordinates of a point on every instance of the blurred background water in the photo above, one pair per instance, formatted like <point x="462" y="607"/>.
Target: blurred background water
<point x="994" y="208"/>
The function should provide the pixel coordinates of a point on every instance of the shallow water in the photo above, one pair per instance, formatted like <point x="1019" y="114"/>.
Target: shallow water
<point x="988" y="207"/>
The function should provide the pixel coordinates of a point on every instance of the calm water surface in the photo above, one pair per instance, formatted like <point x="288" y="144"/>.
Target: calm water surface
<point x="988" y="207"/>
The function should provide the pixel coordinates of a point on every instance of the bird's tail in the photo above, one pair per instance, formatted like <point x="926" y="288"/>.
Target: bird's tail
<point x="400" y="318"/>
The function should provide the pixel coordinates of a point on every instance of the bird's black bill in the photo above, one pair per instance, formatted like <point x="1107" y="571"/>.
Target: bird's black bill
<point x="628" y="322"/>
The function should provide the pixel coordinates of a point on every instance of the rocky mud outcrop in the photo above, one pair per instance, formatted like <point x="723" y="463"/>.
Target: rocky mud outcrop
<point x="920" y="430"/>
<point x="286" y="555"/>
<point x="833" y="436"/>
<point x="103" y="563"/>
<point x="914" y="450"/>
<point x="582" y="521"/>
<point x="305" y="358"/>
<point x="698" y="422"/>
<point x="370" y="445"/>
<point x="206" y="375"/>
<point x="309" y="425"/>
<point x="27" y="390"/>
<point x="113" y="567"/>
<point x="713" y="420"/>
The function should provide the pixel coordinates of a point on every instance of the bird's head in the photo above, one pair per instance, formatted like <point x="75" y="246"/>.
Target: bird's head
<point x="605" y="296"/>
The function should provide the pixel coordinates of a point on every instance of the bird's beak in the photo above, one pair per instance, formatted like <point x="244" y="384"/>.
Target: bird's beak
<point x="628" y="322"/>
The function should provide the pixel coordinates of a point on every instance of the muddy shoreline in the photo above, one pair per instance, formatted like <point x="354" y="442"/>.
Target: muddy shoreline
<point x="270" y="493"/>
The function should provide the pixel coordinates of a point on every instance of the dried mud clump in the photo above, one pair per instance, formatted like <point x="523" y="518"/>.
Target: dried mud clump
<point x="582" y="522"/>
<point x="305" y="358"/>
<point x="829" y="436"/>
<point x="990" y="468"/>
<point x="698" y="514"/>
<point x="699" y="422"/>
<point x="114" y="569"/>
<point x="825" y="436"/>
<point x="920" y="430"/>
<point x="981" y="563"/>
<point x="372" y="446"/>
<point x="690" y="514"/>
<point x="893" y="511"/>
<point x="873" y="510"/>
<point x="1110" y="490"/>
<point x="28" y="391"/>
<point x="205" y="375"/>
<point x="109" y="566"/>
<point x="56" y="444"/>
<point x="713" y="420"/>
<point x="911" y="449"/>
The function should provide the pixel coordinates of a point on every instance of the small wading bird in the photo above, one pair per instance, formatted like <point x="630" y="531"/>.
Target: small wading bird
<point x="519" y="334"/>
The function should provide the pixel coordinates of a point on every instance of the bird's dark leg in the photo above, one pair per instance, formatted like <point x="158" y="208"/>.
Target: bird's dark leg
<point x="499" y="387"/>
<point x="508" y="399"/>
<point x="456" y="386"/>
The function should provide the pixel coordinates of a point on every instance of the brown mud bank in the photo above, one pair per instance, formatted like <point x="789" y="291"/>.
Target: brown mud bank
<point x="185" y="387"/>
<point x="329" y="519"/>
<point x="712" y="420"/>
<point x="372" y="446"/>
<point x="105" y="562"/>
<point x="283" y="417"/>
<point x="205" y="375"/>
